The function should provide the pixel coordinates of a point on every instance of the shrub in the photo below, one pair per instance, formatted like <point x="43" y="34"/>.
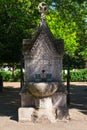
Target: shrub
<point x="76" y="75"/>
<point x="7" y="75"/>
<point x="17" y="75"/>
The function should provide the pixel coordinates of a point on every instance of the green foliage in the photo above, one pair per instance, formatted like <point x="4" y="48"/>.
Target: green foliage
<point x="63" y="30"/>
<point x="19" y="19"/>
<point x="17" y="75"/>
<point x="80" y="75"/>
<point x="7" y="76"/>
<point x="77" y="75"/>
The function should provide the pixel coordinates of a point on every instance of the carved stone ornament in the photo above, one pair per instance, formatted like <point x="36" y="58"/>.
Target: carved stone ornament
<point x="43" y="7"/>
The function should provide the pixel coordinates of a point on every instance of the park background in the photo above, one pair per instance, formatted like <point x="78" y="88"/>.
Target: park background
<point x="67" y="19"/>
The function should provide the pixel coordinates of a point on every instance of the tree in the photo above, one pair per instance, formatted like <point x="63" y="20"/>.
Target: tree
<point x="63" y="30"/>
<point x="19" y="19"/>
<point x="72" y="14"/>
<point x="16" y="23"/>
<point x="75" y="11"/>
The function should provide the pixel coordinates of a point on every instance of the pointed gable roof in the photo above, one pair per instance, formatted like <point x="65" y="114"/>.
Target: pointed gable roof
<point x="57" y="44"/>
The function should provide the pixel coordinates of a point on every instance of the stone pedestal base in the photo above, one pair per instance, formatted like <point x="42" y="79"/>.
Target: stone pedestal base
<point x="25" y="114"/>
<point x="53" y="108"/>
<point x="34" y="115"/>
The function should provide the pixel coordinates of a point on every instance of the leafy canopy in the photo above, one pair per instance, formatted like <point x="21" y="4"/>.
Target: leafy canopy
<point x="67" y="19"/>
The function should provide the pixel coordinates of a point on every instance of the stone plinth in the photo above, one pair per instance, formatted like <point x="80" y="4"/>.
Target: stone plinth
<point x="34" y="115"/>
<point x="53" y="108"/>
<point x="25" y="114"/>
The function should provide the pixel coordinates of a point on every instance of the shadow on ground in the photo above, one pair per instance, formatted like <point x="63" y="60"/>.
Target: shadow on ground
<point x="9" y="102"/>
<point x="78" y="98"/>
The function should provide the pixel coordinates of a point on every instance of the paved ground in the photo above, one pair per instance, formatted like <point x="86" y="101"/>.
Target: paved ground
<point x="10" y="102"/>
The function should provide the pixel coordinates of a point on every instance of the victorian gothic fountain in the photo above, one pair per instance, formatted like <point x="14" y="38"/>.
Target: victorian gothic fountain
<point x="43" y="94"/>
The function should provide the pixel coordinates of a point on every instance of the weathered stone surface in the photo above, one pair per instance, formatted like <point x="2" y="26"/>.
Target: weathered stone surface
<point x="42" y="58"/>
<point x="59" y="99"/>
<point x="62" y="113"/>
<point x="42" y="89"/>
<point x="27" y="100"/>
<point x="34" y="115"/>
<point x="45" y="103"/>
<point x="47" y="113"/>
<point x="52" y="107"/>
<point x="25" y="114"/>
<point x="60" y="105"/>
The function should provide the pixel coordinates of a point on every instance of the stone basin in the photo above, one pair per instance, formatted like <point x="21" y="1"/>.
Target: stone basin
<point x="42" y="89"/>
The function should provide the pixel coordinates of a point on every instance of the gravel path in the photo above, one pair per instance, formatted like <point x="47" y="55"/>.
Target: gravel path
<point x="10" y="102"/>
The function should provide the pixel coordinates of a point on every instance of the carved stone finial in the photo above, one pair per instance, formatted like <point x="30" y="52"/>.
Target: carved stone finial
<point x="43" y="7"/>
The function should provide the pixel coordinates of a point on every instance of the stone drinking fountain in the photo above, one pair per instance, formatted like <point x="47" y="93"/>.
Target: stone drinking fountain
<point x="43" y="94"/>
